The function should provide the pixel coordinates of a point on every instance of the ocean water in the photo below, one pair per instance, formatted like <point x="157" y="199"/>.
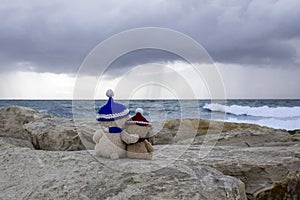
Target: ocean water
<point x="282" y="114"/>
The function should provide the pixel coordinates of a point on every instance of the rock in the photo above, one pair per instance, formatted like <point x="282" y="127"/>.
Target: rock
<point x="13" y="118"/>
<point x="248" y="138"/>
<point x="233" y="134"/>
<point x="54" y="134"/>
<point x="78" y="174"/>
<point x="289" y="188"/>
<point x="257" y="167"/>
<point x="296" y="136"/>
<point x="293" y="132"/>
<point x="15" y="142"/>
<point x="173" y="131"/>
<point x="86" y="128"/>
<point x="45" y="132"/>
<point x="265" y="159"/>
<point x="30" y="174"/>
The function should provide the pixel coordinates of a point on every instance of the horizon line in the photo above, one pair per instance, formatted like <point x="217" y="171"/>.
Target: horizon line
<point x="27" y="99"/>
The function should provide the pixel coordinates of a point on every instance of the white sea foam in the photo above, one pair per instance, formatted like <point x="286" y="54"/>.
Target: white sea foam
<point x="271" y="122"/>
<point x="43" y="110"/>
<point x="263" y="111"/>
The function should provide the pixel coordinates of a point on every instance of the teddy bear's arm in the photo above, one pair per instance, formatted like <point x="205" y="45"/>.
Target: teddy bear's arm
<point x="148" y="145"/>
<point x="129" y="138"/>
<point x="98" y="134"/>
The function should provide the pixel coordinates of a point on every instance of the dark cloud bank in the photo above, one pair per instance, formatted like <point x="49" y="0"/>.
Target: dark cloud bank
<point x="55" y="36"/>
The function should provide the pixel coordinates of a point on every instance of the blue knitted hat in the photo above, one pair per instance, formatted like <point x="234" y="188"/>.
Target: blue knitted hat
<point x="111" y="110"/>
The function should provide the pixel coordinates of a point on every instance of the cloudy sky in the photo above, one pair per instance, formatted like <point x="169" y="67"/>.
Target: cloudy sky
<point x="255" y="44"/>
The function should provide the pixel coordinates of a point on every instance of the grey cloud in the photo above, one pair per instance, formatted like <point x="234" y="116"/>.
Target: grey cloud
<point x="137" y="57"/>
<point x="57" y="35"/>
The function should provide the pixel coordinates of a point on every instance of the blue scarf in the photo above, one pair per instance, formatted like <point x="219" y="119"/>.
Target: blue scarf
<point x="115" y="129"/>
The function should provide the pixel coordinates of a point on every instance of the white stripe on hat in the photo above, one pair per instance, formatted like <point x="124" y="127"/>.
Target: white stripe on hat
<point x="115" y="115"/>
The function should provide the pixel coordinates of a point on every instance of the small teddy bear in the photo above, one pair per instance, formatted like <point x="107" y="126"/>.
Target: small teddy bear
<point x="139" y="125"/>
<point x="110" y="139"/>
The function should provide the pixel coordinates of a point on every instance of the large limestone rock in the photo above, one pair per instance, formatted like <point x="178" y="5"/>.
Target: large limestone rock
<point x="25" y="127"/>
<point x="248" y="138"/>
<point x="289" y="188"/>
<point x="86" y="128"/>
<point x="56" y="134"/>
<point x="30" y="174"/>
<point x="265" y="159"/>
<point x="15" y="142"/>
<point x="219" y="133"/>
<point x="13" y="118"/>
<point x="267" y="172"/>
<point x="262" y="169"/>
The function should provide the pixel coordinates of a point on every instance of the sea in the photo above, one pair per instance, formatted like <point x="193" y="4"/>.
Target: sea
<point x="279" y="113"/>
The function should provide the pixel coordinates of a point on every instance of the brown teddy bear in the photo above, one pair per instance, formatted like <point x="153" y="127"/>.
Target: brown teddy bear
<point x="139" y="125"/>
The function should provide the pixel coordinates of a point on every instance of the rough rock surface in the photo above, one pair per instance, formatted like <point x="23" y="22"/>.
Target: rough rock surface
<point x="86" y="129"/>
<point x="16" y="142"/>
<point x="13" y="118"/>
<point x="259" y="156"/>
<point x="26" y="127"/>
<point x="289" y="188"/>
<point x="54" y="133"/>
<point x="249" y="138"/>
<point x="31" y="174"/>
<point x="226" y="133"/>
<point x="258" y="167"/>
<point x="265" y="159"/>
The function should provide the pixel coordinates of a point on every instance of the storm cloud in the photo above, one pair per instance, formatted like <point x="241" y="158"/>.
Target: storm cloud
<point x="55" y="36"/>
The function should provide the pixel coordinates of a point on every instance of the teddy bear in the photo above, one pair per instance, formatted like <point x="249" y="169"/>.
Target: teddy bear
<point x="111" y="137"/>
<point x="139" y="125"/>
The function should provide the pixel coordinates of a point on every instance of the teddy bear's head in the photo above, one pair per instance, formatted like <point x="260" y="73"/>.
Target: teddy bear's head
<point x="112" y="114"/>
<point x="138" y="124"/>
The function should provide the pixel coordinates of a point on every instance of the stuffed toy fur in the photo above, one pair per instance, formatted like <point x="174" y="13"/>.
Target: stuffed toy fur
<point x="109" y="139"/>
<point x="138" y="125"/>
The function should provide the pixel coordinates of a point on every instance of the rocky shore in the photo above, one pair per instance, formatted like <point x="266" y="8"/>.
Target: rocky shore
<point x="46" y="157"/>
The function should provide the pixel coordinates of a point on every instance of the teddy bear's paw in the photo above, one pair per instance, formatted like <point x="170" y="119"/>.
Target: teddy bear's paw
<point x="114" y="156"/>
<point x="133" y="138"/>
<point x="149" y="147"/>
<point x="129" y="138"/>
<point x="98" y="134"/>
<point x="106" y="129"/>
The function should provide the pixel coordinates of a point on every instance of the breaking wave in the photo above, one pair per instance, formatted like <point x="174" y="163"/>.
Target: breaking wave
<point x="262" y="111"/>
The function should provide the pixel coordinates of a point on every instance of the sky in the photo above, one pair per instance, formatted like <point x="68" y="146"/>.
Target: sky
<point x="254" y="44"/>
